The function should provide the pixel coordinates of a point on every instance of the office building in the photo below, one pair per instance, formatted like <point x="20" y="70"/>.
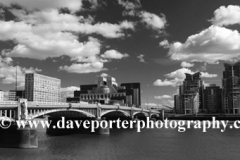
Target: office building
<point x="212" y="96"/>
<point x="231" y="88"/>
<point x="42" y="88"/>
<point x="107" y="91"/>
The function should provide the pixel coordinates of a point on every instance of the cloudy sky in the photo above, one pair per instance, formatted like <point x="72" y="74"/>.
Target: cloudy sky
<point x="153" y="42"/>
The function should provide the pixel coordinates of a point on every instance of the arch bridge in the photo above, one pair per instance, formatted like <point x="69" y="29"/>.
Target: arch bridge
<point x="30" y="110"/>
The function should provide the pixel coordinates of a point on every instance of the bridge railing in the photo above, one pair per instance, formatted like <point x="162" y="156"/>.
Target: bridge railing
<point x="8" y="102"/>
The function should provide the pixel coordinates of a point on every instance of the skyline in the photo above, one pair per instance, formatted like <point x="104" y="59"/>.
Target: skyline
<point x="153" y="42"/>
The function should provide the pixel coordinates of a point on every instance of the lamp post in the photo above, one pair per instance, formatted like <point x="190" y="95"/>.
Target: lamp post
<point x="16" y="85"/>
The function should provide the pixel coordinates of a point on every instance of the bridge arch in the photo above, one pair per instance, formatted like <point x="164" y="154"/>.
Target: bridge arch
<point x="154" y="114"/>
<point x="46" y="112"/>
<point x="144" y="113"/>
<point x="112" y="111"/>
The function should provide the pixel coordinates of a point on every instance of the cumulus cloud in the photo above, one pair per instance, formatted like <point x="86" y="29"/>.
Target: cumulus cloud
<point x="141" y="59"/>
<point x="187" y="65"/>
<point x="210" y="45"/>
<point x="72" y="5"/>
<point x="153" y="21"/>
<point x="214" y="43"/>
<point x="113" y="54"/>
<point x="163" y="97"/>
<point x="164" y="43"/>
<point x="104" y="75"/>
<point x="180" y="73"/>
<point x="178" y="76"/>
<point x="130" y="5"/>
<point x="174" y="82"/>
<point x="225" y="16"/>
<point x="48" y="33"/>
<point x="84" y="68"/>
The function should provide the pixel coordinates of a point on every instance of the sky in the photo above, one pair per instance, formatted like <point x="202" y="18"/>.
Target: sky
<point x="154" y="42"/>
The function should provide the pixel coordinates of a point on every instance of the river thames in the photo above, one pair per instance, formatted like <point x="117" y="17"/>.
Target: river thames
<point x="150" y="144"/>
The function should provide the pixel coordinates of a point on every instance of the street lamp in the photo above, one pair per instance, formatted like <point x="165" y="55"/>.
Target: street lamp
<point x="16" y="84"/>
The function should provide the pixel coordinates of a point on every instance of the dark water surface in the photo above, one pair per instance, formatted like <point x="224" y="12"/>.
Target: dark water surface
<point x="150" y="144"/>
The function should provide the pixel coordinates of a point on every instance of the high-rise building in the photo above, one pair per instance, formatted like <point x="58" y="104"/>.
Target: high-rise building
<point x="231" y="88"/>
<point x="133" y="90"/>
<point x="42" y="88"/>
<point x="176" y="103"/>
<point x="191" y="98"/>
<point x="212" y="96"/>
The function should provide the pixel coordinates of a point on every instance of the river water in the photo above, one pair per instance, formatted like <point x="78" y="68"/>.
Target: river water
<point x="150" y="144"/>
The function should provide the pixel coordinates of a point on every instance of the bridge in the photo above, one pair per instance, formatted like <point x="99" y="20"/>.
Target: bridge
<point x="24" y="110"/>
<point x="12" y="110"/>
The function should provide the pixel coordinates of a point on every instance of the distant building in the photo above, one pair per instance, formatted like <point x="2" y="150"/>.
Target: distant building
<point x="42" y="88"/>
<point x="213" y="101"/>
<point x="191" y="95"/>
<point x="13" y="95"/>
<point x="231" y="88"/>
<point x="133" y="91"/>
<point x="1" y="96"/>
<point x="107" y="91"/>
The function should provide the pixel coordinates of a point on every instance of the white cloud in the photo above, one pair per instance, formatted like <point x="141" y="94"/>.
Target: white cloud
<point x="113" y="54"/>
<point x="210" y="45"/>
<point x="104" y="75"/>
<point x="84" y="68"/>
<point x="225" y="16"/>
<point x="178" y="76"/>
<point x="174" y="82"/>
<point x="141" y="59"/>
<point x="72" y="5"/>
<point x="48" y="33"/>
<point x="180" y="73"/>
<point x="187" y="65"/>
<point x="153" y="21"/>
<point x="162" y="97"/>
<point x="207" y="75"/>
<point x="130" y="5"/>
<point x="164" y="43"/>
